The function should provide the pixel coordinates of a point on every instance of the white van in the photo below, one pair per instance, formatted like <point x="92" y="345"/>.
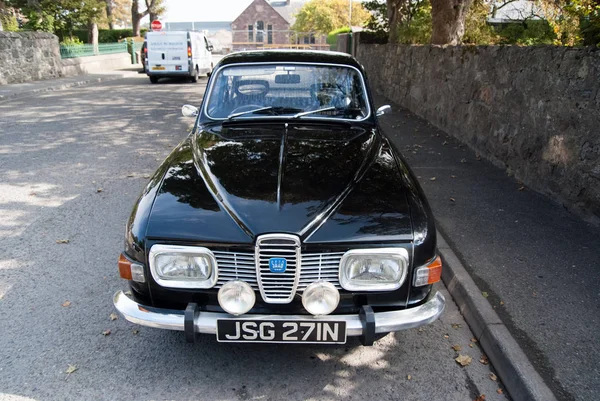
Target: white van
<point x="177" y="54"/>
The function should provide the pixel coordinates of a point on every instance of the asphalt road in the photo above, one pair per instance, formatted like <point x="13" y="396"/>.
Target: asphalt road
<point x="72" y="164"/>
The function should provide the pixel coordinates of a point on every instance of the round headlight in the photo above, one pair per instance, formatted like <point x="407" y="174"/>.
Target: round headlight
<point x="320" y="298"/>
<point x="236" y="297"/>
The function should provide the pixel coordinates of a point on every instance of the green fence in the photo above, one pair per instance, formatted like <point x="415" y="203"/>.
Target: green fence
<point x="86" y="50"/>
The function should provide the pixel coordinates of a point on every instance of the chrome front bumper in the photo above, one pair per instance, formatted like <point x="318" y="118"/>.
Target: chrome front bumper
<point x="206" y="322"/>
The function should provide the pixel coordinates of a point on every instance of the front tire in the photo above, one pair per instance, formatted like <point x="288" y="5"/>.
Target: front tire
<point x="195" y="75"/>
<point x="153" y="80"/>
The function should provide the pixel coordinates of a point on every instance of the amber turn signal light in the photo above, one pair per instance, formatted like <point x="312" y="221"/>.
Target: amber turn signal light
<point x="435" y="271"/>
<point x="124" y="267"/>
<point x="428" y="274"/>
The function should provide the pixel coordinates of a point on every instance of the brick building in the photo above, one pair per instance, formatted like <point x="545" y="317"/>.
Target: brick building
<point x="265" y="24"/>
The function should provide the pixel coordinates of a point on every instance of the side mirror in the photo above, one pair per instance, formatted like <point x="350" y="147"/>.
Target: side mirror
<point x="383" y="110"/>
<point x="210" y="48"/>
<point x="189" y="111"/>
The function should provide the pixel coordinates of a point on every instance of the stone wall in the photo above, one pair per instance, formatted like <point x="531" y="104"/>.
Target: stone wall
<point x="533" y="110"/>
<point x="28" y="56"/>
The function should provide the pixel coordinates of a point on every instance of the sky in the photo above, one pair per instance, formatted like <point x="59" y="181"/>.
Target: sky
<point x="203" y="10"/>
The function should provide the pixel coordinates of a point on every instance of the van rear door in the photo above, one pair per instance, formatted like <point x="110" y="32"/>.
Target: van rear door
<point x="167" y="52"/>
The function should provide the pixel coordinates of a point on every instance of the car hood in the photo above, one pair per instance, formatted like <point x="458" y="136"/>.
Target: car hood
<point x="323" y="182"/>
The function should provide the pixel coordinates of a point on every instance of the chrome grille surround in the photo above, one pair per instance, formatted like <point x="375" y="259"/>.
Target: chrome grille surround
<point x="314" y="266"/>
<point x="277" y="288"/>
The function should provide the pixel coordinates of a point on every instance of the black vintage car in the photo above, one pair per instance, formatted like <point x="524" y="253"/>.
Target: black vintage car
<point x="286" y="215"/>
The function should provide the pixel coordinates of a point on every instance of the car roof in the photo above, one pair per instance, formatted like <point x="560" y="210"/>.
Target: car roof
<point x="298" y="56"/>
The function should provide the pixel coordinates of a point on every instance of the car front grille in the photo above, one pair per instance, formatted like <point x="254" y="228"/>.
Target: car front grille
<point x="313" y="267"/>
<point x="277" y="287"/>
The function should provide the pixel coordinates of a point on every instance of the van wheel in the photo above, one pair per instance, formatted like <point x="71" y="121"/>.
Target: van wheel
<point x="209" y="73"/>
<point x="154" y="79"/>
<point x="195" y="76"/>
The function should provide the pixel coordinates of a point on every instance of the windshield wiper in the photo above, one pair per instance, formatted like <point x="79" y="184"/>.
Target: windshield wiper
<point x="305" y="113"/>
<point x="241" y="113"/>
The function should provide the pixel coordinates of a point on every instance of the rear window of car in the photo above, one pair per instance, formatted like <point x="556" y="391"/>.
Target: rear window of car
<point x="307" y="91"/>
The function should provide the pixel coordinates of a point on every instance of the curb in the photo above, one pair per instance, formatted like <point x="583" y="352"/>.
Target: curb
<point x="62" y="85"/>
<point x="519" y="376"/>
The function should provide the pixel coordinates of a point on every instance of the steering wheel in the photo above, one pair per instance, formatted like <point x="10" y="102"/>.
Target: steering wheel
<point x="246" y="107"/>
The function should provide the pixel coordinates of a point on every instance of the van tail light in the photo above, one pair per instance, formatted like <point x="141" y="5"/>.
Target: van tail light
<point x="189" y="51"/>
<point x="428" y="274"/>
<point x="131" y="271"/>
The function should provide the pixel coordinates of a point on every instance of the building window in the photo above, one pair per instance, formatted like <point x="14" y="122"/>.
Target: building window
<point x="270" y="34"/>
<point x="260" y="30"/>
<point x="250" y="33"/>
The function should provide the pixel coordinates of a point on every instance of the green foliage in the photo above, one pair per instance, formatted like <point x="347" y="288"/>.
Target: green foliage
<point x="417" y="29"/>
<point x="477" y="30"/>
<point x="60" y="17"/>
<point x="9" y="22"/>
<point x="378" y="21"/>
<point x="106" y="35"/>
<point x="71" y="41"/>
<point x="527" y="33"/>
<point x="332" y="36"/>
<point x="324" y="16"/>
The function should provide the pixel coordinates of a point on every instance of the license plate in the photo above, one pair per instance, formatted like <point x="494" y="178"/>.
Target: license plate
<point x="158" y="68"/>
<point x="277" y="331"/>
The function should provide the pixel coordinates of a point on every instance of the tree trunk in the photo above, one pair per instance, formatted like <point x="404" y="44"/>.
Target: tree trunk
<point x="109" y="14"/>
<point x="135" y="17"/>
<point x="394" y="14"/>
<point x="448" y="20"/>
<point x="153" y="17"/>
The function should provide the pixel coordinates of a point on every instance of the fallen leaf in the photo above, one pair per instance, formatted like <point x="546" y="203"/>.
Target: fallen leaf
<point x="453" y="176"/>
<point x="521" y="188"/>
<point x="484" y="359"/>
<point x="62" y="241"/>
<point x="135" y="331"/>
<point x="420" y="329"/>
<point x="71" y="369"/>
<point x="409" y="377"/>
<point x="146" y="176"/>
<point x="455" y="325"/>
<point x="129" y="175"/>
<point x="485" y="294"/>
<point x="480" y="398"/>
<point x="452" y="200"/>
<point x="463" y="160"/>
<point x="99" y="190"/>
<point x="463" y="360"/>
<point x="473" y="340"/>
<point x="432" y="179"/>
<point x="32" y="194"/>
<point x="477" y="157"/>
<point x="471" y="345"/>
<point x="499" y="391"/>
<point x="66" y="304"/>
<point x="501" y="302"/>
<point x="493" y="377"/>
<point x="456" y="347"/>
<point x="446" y="336"/>
<point x="444" y="143"/>
<point x="113" y="316"/>
<point x="106" y="332"/>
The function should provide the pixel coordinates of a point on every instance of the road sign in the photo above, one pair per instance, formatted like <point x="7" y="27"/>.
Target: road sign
<point x="156" y="25"/>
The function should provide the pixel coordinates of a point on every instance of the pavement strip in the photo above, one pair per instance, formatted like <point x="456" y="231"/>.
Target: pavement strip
<point x="514" y="369"/>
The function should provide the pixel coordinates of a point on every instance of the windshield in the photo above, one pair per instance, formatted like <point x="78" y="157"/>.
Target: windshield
<point x="290" y="90"/>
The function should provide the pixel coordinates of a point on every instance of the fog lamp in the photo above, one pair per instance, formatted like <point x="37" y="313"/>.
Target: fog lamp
<point x="320" y="298"/>
<point x="236" y="297"/>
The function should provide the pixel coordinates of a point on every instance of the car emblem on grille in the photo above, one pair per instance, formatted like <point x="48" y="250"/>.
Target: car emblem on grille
<point x="277" y="265"/>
